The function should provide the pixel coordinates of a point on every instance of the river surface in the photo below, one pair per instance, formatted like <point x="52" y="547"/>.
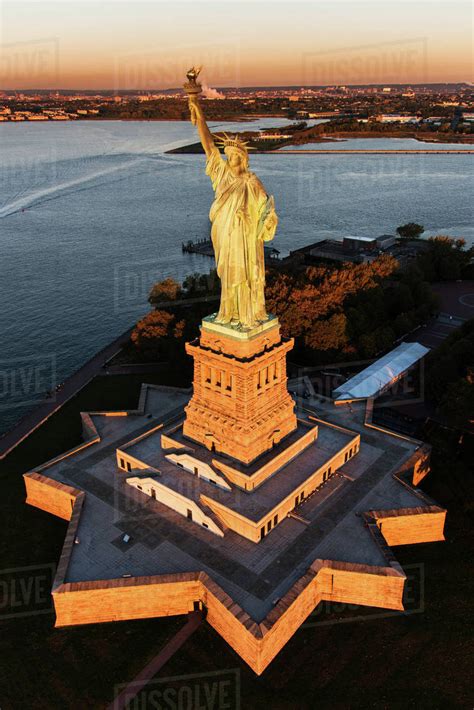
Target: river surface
<point x="92" y="213"/>
<point x="379" y="144"/>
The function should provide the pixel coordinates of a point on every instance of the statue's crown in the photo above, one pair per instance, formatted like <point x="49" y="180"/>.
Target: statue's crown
<point x="226" y="141"/>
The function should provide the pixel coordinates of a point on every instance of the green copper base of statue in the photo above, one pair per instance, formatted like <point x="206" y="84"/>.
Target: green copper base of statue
<point x="238" y="332"/>
<point x="243" y="217"/>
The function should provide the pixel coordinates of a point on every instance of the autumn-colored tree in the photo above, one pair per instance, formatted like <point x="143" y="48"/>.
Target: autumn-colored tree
<point x="153" y="328"/>
<point x="328" y="334"/>
<point x="166" y="290"/>
<point x="319" y="292"/>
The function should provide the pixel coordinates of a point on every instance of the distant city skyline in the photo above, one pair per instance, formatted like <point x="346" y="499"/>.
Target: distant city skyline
<point x="244" y="90"/>
<point x="148" y="46"/>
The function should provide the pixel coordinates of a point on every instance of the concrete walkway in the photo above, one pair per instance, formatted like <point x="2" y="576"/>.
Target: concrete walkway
<point x="195" y="619"/>
<point x="457" y="306"/>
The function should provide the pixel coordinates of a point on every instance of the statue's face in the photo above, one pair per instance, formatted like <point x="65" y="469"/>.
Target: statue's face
<point x="235" y="160"/>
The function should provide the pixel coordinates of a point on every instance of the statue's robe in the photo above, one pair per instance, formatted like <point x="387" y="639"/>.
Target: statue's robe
<point x="238" y="231"/>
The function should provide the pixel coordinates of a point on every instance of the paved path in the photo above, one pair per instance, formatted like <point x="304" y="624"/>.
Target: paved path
<point x="151" y="669"/>
<point x="145" y="368"/>
<point x="456" y="306"/>
<point x="33" y="419"/>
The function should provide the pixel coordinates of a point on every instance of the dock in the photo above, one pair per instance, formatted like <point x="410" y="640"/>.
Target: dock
<point x="204" y="247"/>
<point x="200" y="246"/>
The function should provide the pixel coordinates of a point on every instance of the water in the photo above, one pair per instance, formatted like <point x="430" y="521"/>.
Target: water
<point x="378" y="144"/>
<point x="92" y="213"/>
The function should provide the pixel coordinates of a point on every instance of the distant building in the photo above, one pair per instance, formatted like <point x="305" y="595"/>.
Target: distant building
<point x="361" y="244"/>
<point x="358" y="244"/>
<point x="396" y="118"/>
<point x="273" y="136"/>
<point x="435" y="120"/>
<point x="385" y="241"/>
<point x="333" y="250"/>
<point x="352" y="249"/>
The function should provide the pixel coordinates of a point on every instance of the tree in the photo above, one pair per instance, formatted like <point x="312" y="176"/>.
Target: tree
<point x="154" y="331"/>
<point x="201" y="284"/>
<point x="403" y="324"/>
<point x="458" y="403"/>
<point x="412" y="230"/>
<point x="166" y="290"/>
<point x="319" y="291"/>
<point x="445" y="258"/>
<point x="384" y="337"/>
<point x="328" y="334"/>
<point x="368" y="345"/>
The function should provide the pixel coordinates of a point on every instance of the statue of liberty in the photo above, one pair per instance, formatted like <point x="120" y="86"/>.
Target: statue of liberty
<point x="243" y="217"/>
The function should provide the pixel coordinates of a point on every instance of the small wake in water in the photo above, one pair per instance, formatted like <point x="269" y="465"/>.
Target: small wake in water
<point x="34" y="198"/>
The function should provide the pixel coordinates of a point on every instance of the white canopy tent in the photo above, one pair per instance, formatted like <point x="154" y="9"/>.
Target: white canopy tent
<point x="381" y="373"/>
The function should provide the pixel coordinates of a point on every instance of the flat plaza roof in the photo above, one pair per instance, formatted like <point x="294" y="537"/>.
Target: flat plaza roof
<point x="381" y="373"/>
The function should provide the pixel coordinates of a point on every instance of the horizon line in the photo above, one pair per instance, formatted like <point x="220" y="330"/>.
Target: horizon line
<point x="467" y="84"/>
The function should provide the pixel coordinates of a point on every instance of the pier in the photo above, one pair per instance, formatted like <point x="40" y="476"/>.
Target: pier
<point x="200" y="246"/>
<point x="204" y="247"/>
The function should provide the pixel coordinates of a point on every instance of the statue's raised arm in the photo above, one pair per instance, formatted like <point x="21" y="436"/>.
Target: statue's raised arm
<point x="193" y="89"/>
<point x="243" y="217"/>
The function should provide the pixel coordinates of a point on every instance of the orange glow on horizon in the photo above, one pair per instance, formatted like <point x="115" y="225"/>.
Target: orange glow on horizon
<point x="148" y="45"/>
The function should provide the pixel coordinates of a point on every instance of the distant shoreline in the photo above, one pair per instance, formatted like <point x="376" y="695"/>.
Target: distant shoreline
<point x="91" y="119"/>
<point x="321" y="138"/>
<point x="292" y="148"/>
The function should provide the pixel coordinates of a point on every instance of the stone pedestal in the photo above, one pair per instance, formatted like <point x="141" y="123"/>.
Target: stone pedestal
<point x="240" y="405"/>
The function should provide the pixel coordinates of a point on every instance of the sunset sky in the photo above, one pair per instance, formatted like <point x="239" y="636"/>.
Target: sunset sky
<point x="148" y="45"/>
